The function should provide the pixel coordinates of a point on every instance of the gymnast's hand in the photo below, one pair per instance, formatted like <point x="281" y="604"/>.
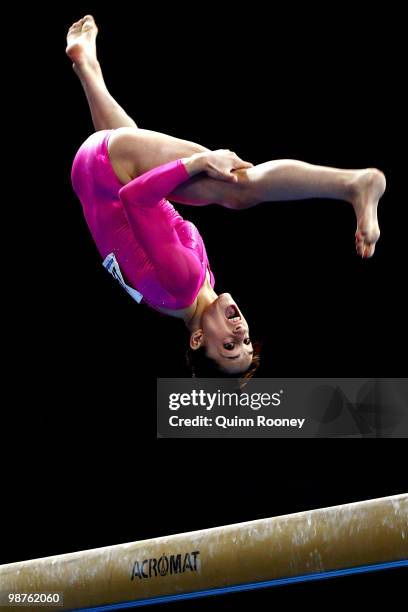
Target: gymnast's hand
<point x="217" y="164"/>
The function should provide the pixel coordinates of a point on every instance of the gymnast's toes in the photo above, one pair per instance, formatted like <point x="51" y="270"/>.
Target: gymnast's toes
<point x="81" y="41"/>
<point x="88" y="23"/>
<point x="365" y="247"/>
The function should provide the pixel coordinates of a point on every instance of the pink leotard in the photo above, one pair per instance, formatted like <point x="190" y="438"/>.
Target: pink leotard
<point x="160" y="254"/>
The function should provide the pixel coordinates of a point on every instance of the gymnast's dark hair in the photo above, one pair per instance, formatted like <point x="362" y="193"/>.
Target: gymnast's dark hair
<point x="202" y="366"/>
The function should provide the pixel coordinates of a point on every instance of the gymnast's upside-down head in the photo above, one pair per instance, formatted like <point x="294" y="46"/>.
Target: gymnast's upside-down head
<point x="222" y="345"/>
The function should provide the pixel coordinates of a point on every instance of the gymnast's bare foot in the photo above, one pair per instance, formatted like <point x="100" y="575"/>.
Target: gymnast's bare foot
<point x="81" y="44"/>
<point x="367" y="188"/>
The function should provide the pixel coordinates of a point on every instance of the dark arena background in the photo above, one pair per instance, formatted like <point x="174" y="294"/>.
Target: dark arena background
<point x="319" y="86"/>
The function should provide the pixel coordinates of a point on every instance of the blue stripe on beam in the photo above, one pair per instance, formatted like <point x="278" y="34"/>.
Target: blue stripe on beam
<point x="248" y="587"/>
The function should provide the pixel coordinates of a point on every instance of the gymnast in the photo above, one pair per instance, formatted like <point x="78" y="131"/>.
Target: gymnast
<point x="124" y="176"/>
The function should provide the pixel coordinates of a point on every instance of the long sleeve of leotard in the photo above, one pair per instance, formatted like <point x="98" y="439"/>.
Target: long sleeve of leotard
<point x="152" y="186"/>
<point x="177" y="267"/>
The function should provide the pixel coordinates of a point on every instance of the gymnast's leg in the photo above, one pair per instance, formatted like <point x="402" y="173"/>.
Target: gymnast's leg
<point x="81" y="49"/>
<point x="135" y="151"/>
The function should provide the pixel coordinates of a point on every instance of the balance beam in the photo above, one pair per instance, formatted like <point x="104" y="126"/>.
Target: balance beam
<point x="359" y="537"/>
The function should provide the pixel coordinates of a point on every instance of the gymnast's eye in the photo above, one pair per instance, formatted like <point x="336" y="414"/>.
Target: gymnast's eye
<point x="247" y="341"/>
<point x="229" y="346"/>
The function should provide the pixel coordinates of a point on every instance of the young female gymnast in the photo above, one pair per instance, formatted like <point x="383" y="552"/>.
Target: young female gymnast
<point x="123" y="175"/>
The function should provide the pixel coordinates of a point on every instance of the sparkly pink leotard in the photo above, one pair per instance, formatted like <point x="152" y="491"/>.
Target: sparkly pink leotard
<point x="160" y="256"/>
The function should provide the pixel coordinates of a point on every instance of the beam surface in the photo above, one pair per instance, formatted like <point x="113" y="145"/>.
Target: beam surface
<point x="363" y="536"/>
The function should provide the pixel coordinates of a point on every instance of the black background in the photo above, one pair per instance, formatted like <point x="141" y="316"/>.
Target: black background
<point x="83" y="467"/>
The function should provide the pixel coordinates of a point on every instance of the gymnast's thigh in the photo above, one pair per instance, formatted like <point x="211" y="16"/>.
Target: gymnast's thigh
<point x="134" y="151"/>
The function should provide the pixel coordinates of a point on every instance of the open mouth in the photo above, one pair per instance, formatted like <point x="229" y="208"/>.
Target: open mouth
<point x="232" y="314"/>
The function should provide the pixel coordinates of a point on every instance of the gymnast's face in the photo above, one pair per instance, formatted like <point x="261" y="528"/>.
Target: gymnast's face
<point x="225" y="335"/>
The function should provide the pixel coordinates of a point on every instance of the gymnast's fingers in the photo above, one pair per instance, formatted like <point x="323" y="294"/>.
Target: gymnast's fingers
<point x="240" y="163"/>
<point x="227" y="175"/>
